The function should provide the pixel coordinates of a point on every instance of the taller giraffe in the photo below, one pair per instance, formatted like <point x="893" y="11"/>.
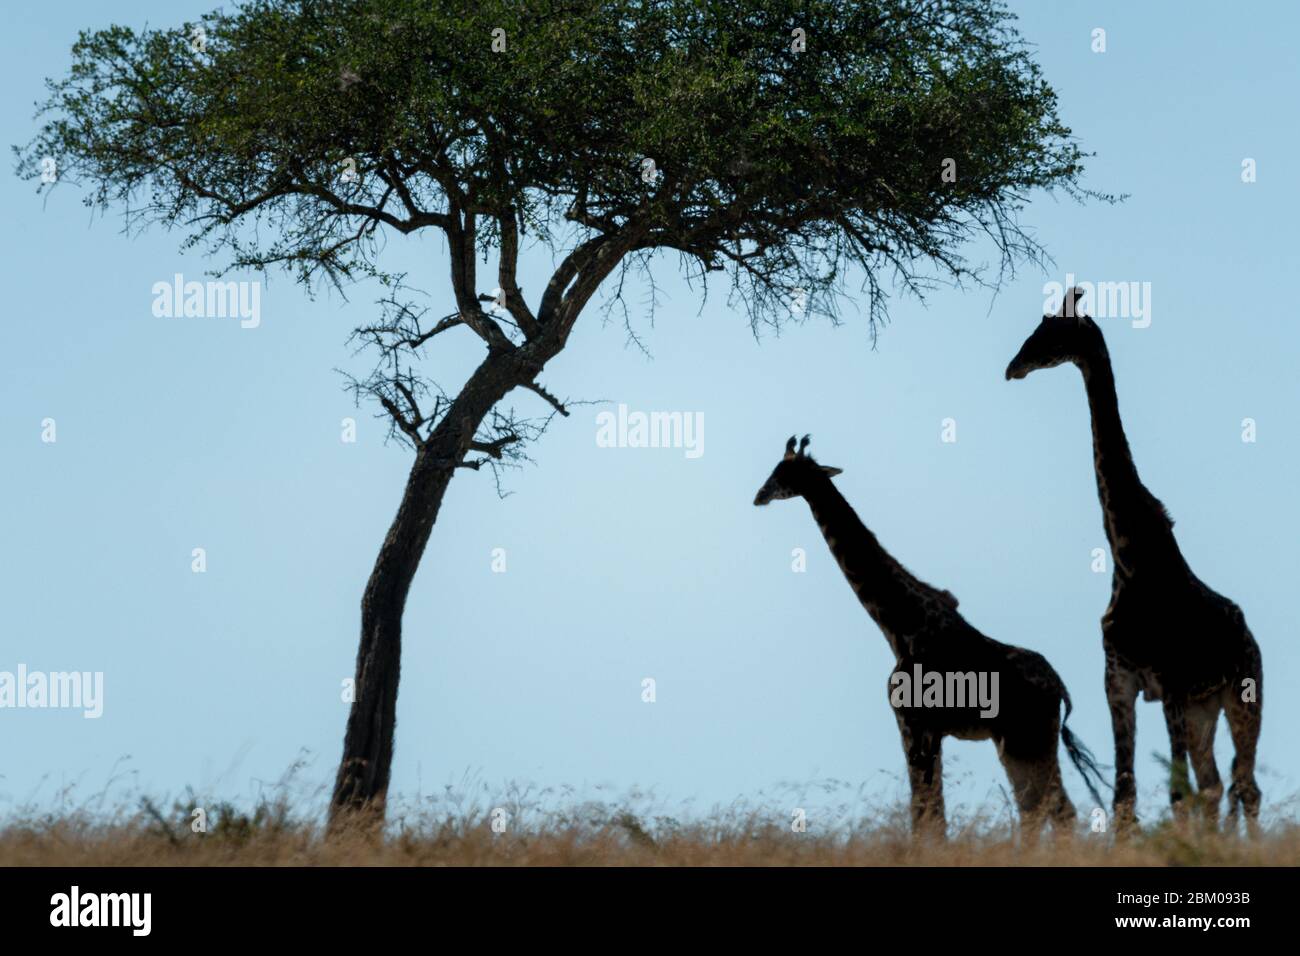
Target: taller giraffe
<point x="1165" y="632"/>
<point x="924" y="629"/>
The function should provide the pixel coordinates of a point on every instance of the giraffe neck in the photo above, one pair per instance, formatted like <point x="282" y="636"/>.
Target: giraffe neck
<point x="1136" y="523"/>
<point x="898" y="602"/>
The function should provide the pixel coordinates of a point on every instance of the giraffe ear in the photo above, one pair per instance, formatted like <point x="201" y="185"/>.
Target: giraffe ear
<point x="832" y="472"/>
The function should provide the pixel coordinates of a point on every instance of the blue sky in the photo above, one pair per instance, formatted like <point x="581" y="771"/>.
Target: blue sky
<point x="631" y="563"/>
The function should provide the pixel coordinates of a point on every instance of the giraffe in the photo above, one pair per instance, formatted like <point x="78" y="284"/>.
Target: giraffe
<point x="923" y="628"/>
<point x="1165" y="632"/>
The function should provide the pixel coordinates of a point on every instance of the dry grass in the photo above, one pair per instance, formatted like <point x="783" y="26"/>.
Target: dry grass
<point x="556" y="828"/>
<point x="451" y="843"/>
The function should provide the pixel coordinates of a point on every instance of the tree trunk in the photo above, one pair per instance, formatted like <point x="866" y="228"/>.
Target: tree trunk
<point x="361" y="786"/>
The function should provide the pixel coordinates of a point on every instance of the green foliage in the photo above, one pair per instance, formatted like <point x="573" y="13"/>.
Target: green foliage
<point x="780" y="167"/>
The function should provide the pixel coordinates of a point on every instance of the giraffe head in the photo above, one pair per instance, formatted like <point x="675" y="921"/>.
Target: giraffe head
<point x="794" y="474"/>
<point x="1068" y="336"/>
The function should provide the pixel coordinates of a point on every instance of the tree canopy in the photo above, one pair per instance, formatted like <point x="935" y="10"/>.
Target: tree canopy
<point x="788" y="138"/>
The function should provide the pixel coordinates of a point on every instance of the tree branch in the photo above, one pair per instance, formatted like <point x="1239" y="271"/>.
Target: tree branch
<point x="493" y="449"/>
<point x="507" y="267"/>
<point x="555" y="402"/>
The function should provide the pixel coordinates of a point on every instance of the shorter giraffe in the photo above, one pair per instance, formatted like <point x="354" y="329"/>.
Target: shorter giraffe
<point x="925" y="631"/>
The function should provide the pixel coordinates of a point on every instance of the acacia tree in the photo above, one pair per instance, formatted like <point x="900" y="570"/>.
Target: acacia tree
<point x="783" y="143"/>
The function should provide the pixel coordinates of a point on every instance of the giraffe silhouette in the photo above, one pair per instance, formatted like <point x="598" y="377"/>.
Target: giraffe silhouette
<point x="925" y="630"/>
<point x="1165" y="632"/>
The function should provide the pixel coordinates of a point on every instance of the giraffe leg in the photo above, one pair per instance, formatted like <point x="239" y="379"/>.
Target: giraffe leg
<point x="924" y="749"/>
<point x="1244" y="723"/>
<point x="1180" y="782"/>
<point x="1039" y="793"/>
<point x="1060" y="807"/>
<point x="1202" y="721"/>
<point x="1121" y="695"/>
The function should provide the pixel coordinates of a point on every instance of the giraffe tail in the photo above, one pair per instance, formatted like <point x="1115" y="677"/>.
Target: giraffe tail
<point x="1081" y="756"/>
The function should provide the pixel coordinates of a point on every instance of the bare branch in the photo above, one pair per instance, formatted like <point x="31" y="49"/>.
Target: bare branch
<point x="507" y="268"/>
<point x="555" y="402"/>
<point x="401" y="420"/>
<point x="494" y="448"/>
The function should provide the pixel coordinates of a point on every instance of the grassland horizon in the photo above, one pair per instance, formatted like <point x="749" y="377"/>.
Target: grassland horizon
<point x="475" y="824"/>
